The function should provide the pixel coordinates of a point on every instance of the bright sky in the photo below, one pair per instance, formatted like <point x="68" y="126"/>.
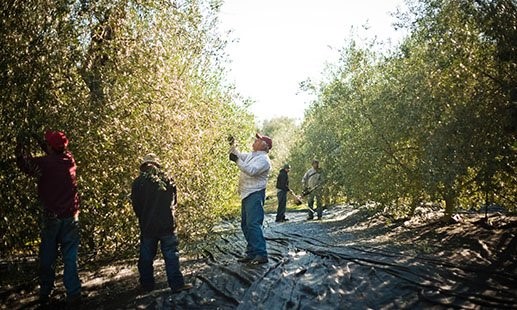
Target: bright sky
<point x="283" y="42"/>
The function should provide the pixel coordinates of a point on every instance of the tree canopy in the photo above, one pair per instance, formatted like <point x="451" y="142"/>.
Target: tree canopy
<point x="431" y="121"/>
<point x="121" y="79"/>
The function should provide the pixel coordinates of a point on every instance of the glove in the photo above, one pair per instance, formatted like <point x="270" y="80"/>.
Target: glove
<point x="233" y="157"/>
<point x="231" y="140"/>
<point x="42" y="144"/>
<point x="21" y="138"/>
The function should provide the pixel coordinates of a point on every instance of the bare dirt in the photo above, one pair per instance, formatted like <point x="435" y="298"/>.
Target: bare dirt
<point x="348" y="260"/>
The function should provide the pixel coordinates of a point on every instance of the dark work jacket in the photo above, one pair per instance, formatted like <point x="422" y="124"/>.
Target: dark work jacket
<point x="57" y="183"/>
<point x="154" y="203"/>
<point x="282" y="181"/>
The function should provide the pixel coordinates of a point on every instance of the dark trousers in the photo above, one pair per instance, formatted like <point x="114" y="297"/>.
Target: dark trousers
<point x="148" y="249"/>
<point x="282" y="203"/>
<point x="64" y="234"/>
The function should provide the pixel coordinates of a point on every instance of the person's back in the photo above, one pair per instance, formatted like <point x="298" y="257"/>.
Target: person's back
<point x="57" y="183"/>
<point x="153" y="195"/>
<point x="154" y="198"/>
<point x="282" y="180"/>
<point x="57" y="191"/>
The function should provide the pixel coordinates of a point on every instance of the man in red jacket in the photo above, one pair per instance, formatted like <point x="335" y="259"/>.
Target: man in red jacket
<point x="57" y="191"/>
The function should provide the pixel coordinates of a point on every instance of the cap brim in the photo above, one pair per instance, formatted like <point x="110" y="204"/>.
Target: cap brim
<point x="151" y="162"/>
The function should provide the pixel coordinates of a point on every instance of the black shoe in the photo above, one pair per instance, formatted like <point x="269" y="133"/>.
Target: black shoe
<point x="44" y="300"/>
<point x="310" y="218"/>
<point x="145" y="288"/>
<point x="245" y="259"/>
<point x="279" y="220"/>
<point x="73" y="301"/>
<point x="185" y="287"/>
<point x="258" y="260"/>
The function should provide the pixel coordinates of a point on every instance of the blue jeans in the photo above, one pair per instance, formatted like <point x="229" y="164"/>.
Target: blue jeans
<point x="169" y="247"/>
<point x="55" y="233"/>
<point x="252" y="216"/>
<point x="282" y="203"/>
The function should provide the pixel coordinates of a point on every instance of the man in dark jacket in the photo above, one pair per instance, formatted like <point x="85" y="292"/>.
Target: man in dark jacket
<point x="57" y="191"/>
<point x="282" y="187"/>
<point x="153" y="196"/>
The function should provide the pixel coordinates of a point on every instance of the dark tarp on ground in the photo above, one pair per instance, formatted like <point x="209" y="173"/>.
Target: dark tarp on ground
<point x="315" y="265"/>
<point x="345" y="261"/>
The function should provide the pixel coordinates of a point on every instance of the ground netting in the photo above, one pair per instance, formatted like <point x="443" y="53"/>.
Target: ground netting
<point x="344" y="261"/>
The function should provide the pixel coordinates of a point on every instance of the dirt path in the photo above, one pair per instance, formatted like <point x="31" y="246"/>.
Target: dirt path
<point x="345" y="261"/>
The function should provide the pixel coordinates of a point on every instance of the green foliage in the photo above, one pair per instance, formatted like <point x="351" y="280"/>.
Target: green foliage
<point x="284" y="131"/>
<point x="121" y="79"/>
<point x="432" y="120"/>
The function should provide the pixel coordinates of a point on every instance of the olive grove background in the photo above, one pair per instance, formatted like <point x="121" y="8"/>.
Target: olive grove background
<point x="121" y="78"/>
<point x="432" y="120"/>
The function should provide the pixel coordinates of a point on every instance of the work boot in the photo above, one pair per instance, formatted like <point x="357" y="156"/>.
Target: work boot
<point x="258" y="260"/>
<point x="310" y="215"/>
<point x="74" y="301"/>
<point x="185" y="287"/>
<point x="144" y="289"/>
<point x="245" y="259"/>
<point x="44" y="301"/>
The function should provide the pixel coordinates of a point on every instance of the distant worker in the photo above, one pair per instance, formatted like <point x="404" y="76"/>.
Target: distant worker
<point x="282" y="187"/>
<point x="312" y="182"/>
<point x="154" y="200"/>
<point x="57" y="191"/>
<point x="254" y="167"/>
